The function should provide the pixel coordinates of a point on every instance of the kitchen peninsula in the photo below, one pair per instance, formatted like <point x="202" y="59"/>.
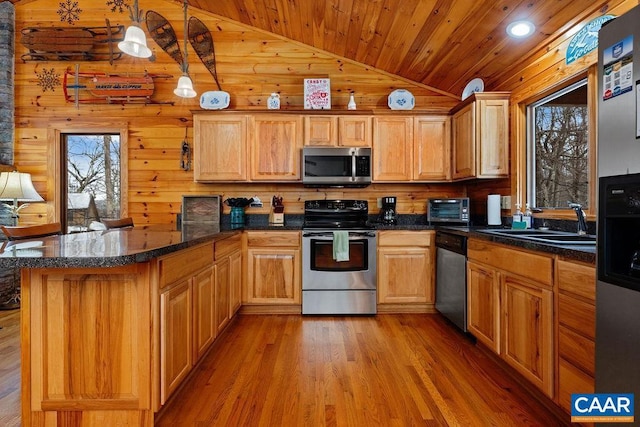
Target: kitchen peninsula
<point x="113" y="321"/>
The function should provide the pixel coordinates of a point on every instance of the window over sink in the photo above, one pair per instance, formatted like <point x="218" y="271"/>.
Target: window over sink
<point x="559" y="135"/>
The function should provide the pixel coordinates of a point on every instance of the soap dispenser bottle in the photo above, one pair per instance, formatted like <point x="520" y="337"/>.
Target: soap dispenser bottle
<point x="517" y="217"/>
<point x="528" y="216"/>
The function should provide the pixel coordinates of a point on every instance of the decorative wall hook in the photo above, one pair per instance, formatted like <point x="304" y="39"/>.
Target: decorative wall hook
<point x="185" y="160"/>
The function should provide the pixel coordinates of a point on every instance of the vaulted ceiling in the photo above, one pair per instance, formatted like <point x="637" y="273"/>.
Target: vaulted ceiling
<point x="439" y="43"/>
<point x="442" y="44"/>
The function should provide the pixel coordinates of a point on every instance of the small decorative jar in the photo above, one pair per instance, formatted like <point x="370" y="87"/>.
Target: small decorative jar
<point x="273" y="103"/>
<point x="237" y="217"/>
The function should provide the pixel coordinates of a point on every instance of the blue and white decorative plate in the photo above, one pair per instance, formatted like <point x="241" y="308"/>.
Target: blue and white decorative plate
<point x="401" y="99"/>
<point x="475" y="85"/>
<point x="214" y="100"/>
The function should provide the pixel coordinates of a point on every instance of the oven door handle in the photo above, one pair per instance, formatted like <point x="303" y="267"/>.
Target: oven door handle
<point x="329" y="235"/>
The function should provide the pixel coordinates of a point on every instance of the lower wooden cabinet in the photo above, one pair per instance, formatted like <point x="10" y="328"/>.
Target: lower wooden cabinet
<point x="175" y="337"/>
<point x="204" y="330"/>
<point x="273" y="268"/>
<point x="186" y="327"/>
<point x="528" y="330"/>
<point x="222" y="274"/>
<point x="406" y="270"/>
<point x="483" y="312"/>
<point x="235" y="282"/>
<point x="510" y="308"/>
<point x="199" y="294"/>
<point x="576" y="330"/>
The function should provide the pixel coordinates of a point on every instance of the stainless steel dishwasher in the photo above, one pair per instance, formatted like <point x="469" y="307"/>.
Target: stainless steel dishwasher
<point x="451" y="277"/>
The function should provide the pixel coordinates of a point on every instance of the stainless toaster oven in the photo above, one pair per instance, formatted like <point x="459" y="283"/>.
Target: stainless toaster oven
<point x="448" y="210"/>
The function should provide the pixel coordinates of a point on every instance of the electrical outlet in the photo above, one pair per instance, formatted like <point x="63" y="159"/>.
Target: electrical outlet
<point x="505" y="202"/>
<point x="379" y="202"/>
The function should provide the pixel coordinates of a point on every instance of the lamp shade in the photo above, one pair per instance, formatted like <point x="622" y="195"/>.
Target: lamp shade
<point x="135" y="43"/>
<point x="185" y="88"/>
<point x="17" y="186"/>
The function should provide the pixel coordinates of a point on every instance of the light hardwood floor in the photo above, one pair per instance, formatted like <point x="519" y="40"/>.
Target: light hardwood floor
<point x="10" y="368"/>
<point x="386" y="370"/>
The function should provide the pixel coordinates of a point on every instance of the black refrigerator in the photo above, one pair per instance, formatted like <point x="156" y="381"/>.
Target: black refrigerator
<point x="618" y="260"/>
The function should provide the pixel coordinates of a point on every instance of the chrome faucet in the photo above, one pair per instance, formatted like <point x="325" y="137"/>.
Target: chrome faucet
<point x="582" y="222"/>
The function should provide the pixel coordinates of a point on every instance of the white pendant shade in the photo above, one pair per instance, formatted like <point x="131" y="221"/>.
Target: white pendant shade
<point x="135" y="43"/>
<point x="17" y="186"/>
<point x="185" y="88"/>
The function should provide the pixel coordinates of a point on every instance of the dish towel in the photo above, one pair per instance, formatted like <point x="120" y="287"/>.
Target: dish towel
<point x="341" y="246"/>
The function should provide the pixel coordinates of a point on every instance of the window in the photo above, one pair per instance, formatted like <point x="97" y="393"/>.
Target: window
<point x="558" y="163"/>
<point x="92" y="181"/>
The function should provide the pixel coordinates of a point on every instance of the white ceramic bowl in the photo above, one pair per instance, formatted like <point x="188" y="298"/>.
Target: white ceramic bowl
<point x="214" y="100"/>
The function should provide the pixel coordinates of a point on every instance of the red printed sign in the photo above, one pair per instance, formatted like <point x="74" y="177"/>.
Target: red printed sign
<point x="317" y="94"/>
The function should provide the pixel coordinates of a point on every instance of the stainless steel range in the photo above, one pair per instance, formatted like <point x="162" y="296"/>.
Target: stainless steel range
<point x="332" y="284"/>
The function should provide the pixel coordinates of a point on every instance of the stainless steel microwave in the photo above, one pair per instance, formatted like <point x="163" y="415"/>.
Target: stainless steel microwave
<point x="448" y="210"/>
<point x="336" y="166"/>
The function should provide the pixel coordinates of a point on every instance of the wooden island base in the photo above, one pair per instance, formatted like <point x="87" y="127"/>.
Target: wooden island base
<point x="113" y="322"/>
<point x="86" y="346"/>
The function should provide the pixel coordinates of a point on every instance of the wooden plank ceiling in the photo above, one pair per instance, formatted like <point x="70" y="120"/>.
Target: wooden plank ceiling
<point x="439" y="43"/>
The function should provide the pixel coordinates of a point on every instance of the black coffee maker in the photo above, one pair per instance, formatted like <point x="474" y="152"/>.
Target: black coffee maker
<point x="388" y="210"/>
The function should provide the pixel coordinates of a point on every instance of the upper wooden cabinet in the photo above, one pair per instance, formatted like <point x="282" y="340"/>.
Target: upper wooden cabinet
<point x="431" y="148"/>
<point x="343" y="131"/>
<point x="220" y="147"/>
<point x="407" y="148"/>
<point x="392" y="148"/>
<point x="480" y="133"/>
<point x="275" y="141"/>
<point x="242" y="147"/>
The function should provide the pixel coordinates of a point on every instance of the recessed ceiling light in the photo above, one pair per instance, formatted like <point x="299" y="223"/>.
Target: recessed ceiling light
<point x="520" y="29"/>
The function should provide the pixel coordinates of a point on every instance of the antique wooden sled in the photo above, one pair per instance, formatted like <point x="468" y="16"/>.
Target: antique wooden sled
<point x="104" y="88"/>
<point x="72" y="44"/>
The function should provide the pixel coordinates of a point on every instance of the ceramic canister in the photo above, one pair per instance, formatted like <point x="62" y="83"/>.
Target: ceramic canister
<point x="273" y="103"/>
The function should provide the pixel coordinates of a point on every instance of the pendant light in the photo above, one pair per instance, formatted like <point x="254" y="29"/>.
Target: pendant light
<point x="185" y="85"/>
<point x="135" y="41"/>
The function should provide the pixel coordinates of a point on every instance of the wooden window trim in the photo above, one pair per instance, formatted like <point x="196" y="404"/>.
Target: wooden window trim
<point x="519" y="186"/>
<point x="54" y="136"/>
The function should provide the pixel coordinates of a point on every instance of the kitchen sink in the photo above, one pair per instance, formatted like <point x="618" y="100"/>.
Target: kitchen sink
<point x="511" y="232"/>
<point x="546" y="236"/>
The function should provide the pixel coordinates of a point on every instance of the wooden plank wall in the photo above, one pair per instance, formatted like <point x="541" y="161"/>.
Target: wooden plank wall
<point x="251" y="65"/>
<point x="544" y="69"/>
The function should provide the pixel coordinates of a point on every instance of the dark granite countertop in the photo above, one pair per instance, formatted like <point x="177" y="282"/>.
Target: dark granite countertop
<point x="108" y="248"/>
<point x="418" y="222"/>
<point x="582" y="253"/>
<point x="139" y="244"/>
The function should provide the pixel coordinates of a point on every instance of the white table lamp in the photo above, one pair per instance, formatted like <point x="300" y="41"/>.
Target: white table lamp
<point x="17" y="187"/>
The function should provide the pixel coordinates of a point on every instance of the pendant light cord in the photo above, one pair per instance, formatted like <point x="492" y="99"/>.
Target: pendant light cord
<point x="185" y="64"/>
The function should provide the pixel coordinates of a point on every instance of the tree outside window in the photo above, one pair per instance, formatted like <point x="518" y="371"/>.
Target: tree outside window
<point x="92" y="179"/>
<point x="558" y="149"/>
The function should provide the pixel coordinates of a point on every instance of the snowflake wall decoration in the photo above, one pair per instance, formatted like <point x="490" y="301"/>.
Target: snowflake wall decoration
<point x="69" y="11"/>
<point x="119" y="5"/>
<point x="48" y="80"/>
